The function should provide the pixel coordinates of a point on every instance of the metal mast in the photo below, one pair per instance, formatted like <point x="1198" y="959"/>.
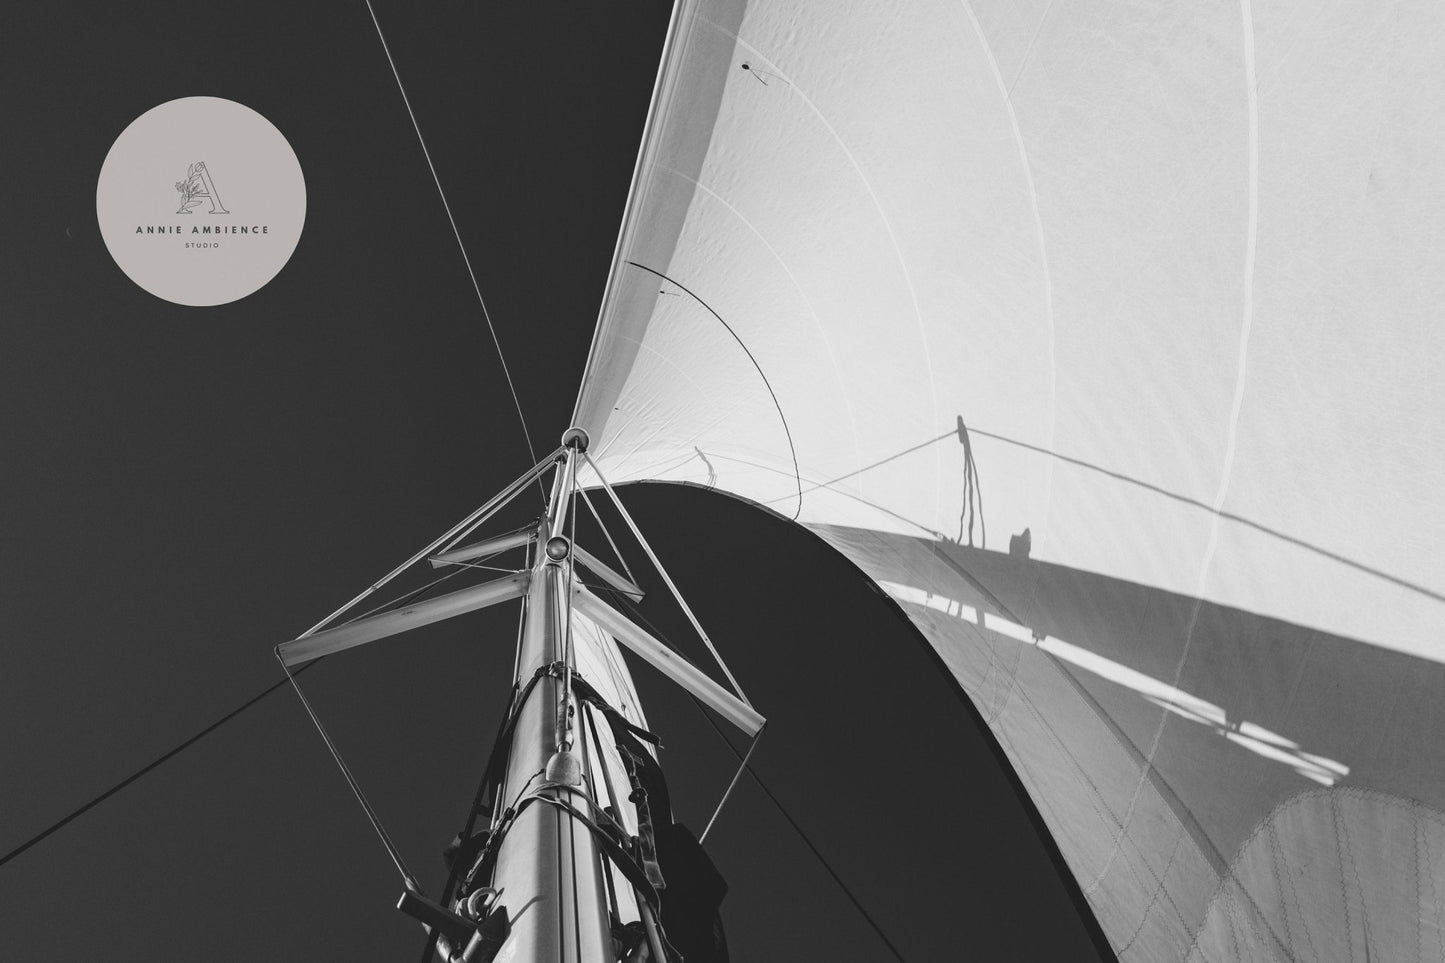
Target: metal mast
<point x="555" y="871"/>
<point x="548" y="870"/>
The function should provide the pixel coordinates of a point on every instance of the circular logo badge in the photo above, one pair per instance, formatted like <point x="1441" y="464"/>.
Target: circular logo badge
<point x="201" y="201"/>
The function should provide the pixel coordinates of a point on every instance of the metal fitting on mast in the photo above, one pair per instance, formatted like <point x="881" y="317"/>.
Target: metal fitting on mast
<point x="558" y="548"/>
<point x="576" y="439"/>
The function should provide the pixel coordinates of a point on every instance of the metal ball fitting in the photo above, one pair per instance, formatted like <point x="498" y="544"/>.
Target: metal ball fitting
<point x="575" y="438"/>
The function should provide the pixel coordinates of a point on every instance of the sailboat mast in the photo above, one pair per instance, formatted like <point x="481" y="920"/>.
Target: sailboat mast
<point x="548" y="868"/>
<point x="564" y="868"/>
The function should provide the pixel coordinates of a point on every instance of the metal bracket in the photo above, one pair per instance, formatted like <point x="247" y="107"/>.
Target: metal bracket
<point x="691" y="678"/>
<point x="375" y="627"/>
<point x="480" y="941"/>
<point x="492" y="546"/>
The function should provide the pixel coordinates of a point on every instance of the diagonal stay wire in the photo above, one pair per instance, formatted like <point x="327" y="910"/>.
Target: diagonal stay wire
<point x="192" y="740"/>
<point x="878" y="930"/>
<point x="606" y="534"/>
<point x="164" y="757"/>
<point x="858" y="471"/>
<point x="636" y="613"/>
<point x="727" y="793"/>
<point x="476" y="287"/>
<point x="391" y="851"/>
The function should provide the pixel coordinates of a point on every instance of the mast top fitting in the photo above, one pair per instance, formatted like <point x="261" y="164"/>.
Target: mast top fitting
<point x="575" y="438"/>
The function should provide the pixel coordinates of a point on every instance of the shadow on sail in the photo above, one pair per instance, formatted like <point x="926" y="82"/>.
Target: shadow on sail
<point x="1220" y="783"/>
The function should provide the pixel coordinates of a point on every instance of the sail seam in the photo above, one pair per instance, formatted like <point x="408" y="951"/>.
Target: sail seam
<point x="822" y="331"/>
<point x="1237" y="401"/>
<point x="1006" y="93"/>
<point x="887" y="227"/>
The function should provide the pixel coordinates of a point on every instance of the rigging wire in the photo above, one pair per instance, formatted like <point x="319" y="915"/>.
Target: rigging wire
<point x="196" y="737"/>
<point x="743" y="759"/>
<point x="666" y="579"/>
<point x="878" y="930"/>
<point x="607" y="535"/>
<point x="792" y="450"/>
<point x="458" y="531"/>
<point x="417" y="593"/>
<point x="858" y="471"/>
<point x="371" y="815"/>
<point x="589" y="727"/>
<point x="476" y="287"/>
<point x="164" y="757"/>
<point x="729" y="791"/>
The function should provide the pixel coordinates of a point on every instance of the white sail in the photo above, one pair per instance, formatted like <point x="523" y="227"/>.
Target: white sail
<point x="1173" y="272"/>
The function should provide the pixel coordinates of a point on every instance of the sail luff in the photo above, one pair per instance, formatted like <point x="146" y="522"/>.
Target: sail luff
<point x="681" y="10"/>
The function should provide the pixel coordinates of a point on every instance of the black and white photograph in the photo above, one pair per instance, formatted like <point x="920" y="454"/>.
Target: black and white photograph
<point x="723" y="481"/>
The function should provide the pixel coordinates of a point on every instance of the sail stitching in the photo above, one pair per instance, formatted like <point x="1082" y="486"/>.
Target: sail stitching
<point x="1282" y="879"/>
<point x="1026" y="166"/>
<point x="848" y="405"/>
<point x="1154" y="898"/>
<point x="1234" y="873"/>
<point x="1247" y="321"/>
<point x="882" y="216"/>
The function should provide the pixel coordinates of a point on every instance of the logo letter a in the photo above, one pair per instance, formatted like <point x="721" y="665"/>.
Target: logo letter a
<point x="197" y="185"/>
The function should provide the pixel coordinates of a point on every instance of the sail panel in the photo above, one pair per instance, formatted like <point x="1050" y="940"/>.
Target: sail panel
<point x="1113" y="327"/>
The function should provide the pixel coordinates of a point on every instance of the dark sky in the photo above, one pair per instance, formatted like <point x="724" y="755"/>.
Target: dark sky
<point x="185" y="487"/>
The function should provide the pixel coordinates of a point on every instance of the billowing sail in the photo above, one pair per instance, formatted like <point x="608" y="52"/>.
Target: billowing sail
<point x="1105" y="338"/>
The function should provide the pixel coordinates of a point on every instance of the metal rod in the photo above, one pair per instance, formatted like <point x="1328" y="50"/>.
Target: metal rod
<point x="654" y="941"/>
<point x="606" y="534"/>
<point x="561" y="495"/>
<point x="588" y="726"/>
<point x="689" y="676"/>
<point x="492" y="546"/>
<point x="375" y="627"/>
<point x="729" y="791"/>
<point x="568" y="509"/>
<point x="606" y="573"/>
<point x="652" y="556"/>
<point x="475" y="518"/>
<point x="371" y="816"/>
